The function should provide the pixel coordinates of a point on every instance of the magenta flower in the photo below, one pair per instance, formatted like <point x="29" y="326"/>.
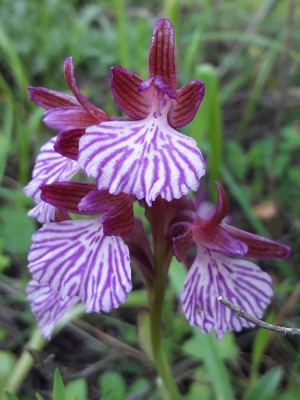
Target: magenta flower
<point x="66" y="114"/>
<point x="146" y="156"/>
<point x="57" y="159"/>
<point x="213" y="274"/>
<point x="80" y="260"/>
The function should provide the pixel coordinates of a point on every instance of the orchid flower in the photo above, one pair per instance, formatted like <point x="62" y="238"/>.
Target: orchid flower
<point x="57" y="160"/>
<point x="67" y="114"/>
<point x="141" y="157"/>
<point x="146" y="156"/>
<point x="214" y="274"/>
<point x="80" y="260"/>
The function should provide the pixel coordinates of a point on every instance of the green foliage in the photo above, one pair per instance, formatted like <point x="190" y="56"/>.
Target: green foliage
<point x="58" y="389"/>
<point x="77" y="389"/>
<point x="265" y="388"/>
<point x="113" y="386"/>
<point x="11" y="396"/>
<point x="7" y="363"/>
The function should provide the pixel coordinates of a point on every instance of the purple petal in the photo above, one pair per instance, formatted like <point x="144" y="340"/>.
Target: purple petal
<point x="49" y="167"/>
<point x="70" y="79"/>
<point x="144" y="158"/>
<point x="101" y="201"/>
<point x="76" y="259"/>
<point x="159" y="84"/>
<point x="43" y="212"/>
<point x="213" y="275"/>
<point x="49" y="99"/>
<point x="67" y="143"/>
<point x="181" y="245"/>
<point x="118" y="209"/>
<point x="47" y="305"/>
<point x="67" y="118"/>
<point x="216" y="238"/>
<point x="222" y="208"/>
<point x="189" y="99"/>
<point x="162" y="52"/>
<point x="259" y="246"/>
<point x="125" y="87"/>
<point x="66" y="195"/>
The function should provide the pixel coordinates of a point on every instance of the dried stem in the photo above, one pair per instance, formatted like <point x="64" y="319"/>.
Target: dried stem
<point x="241" y="313"/>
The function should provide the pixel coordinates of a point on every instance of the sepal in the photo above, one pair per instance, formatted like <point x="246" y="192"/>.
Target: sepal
<point x="161" y="60"/>
<point x="125" y="87"/>
<point x="189" y="99"/>
<point x="49" y="99"/>
<point x="258" y="246"/>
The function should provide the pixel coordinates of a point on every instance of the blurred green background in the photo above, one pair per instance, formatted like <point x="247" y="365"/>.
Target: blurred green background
<point x="248" y="127"/>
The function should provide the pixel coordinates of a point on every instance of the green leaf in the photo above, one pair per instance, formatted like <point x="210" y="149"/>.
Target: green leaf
<point x="236" y="159"/>
<point x="260" y="343"/>
<point x="114" y="382"/>
<point x="14" y="222"/>
<point x="107" y="395"/>
<point x="59" y="389"/>
<point x="7" y="363"/>
<point x="226" y="348"/>
<point x="200" y="387"/>
<point x="11" y="396"/>
<point x="77" y="388"/>
<point x="39" y="397"/>
<point x="266" y="386"/>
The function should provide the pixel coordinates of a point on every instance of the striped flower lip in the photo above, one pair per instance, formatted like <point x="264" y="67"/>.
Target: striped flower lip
<point x="146" y="156"/>
<point x="74" y="260"/>
<point x="214" y="274"/>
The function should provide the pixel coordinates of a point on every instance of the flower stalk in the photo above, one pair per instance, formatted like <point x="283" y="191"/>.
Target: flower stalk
<point x="156" y="301"/>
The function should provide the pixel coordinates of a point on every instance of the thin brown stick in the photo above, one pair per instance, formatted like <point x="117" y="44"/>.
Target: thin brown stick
<point x="241" y="313"/>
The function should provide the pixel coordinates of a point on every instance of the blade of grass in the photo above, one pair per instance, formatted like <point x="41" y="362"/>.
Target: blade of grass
<point x="14" y="62"/>
<point x="265" y="388"/>
<point x="59" y="388"/>
<point x="122" y="36"/>
<point x="262" y="77"/>
<point x="260" y="40"/>
<point x="172" y="11"/>
<point x="208" y="123"/>
<point x="6" y="136"/>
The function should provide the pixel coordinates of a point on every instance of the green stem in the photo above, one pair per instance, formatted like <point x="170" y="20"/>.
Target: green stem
<point x="25" y="362"/>
<point x="37" y="343"/>
<point x="170" y="390"/>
